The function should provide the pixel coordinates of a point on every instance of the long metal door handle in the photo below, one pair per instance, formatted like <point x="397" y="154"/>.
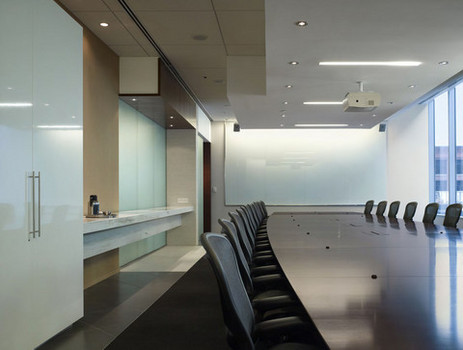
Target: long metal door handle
<point x="33" y="205"/>
<point x="39" y="216"/>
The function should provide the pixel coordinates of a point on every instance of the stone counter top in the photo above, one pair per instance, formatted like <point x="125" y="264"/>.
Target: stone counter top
<point x="131" y="217"/>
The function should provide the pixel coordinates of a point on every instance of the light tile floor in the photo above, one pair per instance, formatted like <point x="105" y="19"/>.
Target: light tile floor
<point x="113" y="304"/>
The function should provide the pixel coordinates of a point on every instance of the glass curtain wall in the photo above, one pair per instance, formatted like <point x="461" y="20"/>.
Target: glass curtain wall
<point x="446" y="119"/>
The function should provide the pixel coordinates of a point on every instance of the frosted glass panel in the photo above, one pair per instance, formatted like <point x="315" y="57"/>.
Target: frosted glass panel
<point x="142" y="173"/>
<point x="305" y="167"/>
<point x="128" y="184"/>
<point x="142" y="161"/>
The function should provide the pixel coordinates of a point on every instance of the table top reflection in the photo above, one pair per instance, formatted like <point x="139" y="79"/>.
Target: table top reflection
<point x="372" y="282"/>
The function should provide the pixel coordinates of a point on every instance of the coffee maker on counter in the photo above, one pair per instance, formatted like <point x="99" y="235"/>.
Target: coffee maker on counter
<point x="93" y="206"/>
<point x="94" y="209"/>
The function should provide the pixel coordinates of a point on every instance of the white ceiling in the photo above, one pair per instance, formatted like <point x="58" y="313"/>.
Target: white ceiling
<point x="241" y="68"/>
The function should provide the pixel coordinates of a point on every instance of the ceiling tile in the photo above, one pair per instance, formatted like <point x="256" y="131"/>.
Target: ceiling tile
<point x="137" y="34"/>
<point x="169" y="5"/>
<point x="113" y="5"/>
<point x="84" y="5"/>
<point x="245" y="50"/>
<point x="196" y="57"/>
<point x="178" y="28"/>
<point x="115" y="34"/>
<point x="239" y="5"/>
<point x="242" y="28"/>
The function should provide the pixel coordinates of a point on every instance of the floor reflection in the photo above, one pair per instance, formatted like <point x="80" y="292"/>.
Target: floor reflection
<point x="446" y="262"/>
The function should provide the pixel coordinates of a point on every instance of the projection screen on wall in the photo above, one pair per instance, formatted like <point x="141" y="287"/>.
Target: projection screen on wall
<point x="304" y="167"/>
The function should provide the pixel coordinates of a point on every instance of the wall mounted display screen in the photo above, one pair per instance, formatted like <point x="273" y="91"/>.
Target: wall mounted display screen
<point x="305" y="167"/>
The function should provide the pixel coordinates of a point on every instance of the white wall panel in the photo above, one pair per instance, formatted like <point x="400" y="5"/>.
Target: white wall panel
<point x="408" y="158"/>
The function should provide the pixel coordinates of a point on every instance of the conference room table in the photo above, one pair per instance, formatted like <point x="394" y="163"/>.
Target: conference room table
<point x="372" y="282"/>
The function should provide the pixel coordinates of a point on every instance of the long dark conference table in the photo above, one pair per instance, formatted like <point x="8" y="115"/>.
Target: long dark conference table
<point x="371" y="282"/>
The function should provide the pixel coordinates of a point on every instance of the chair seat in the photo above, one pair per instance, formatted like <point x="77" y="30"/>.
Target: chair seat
<point x="264" y="270"/>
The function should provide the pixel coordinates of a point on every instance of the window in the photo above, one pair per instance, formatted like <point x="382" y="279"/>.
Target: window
<point x="446" y="121"/>
<point x="441" y="150"/>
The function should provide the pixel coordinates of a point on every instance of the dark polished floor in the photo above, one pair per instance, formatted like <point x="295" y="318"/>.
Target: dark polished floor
<point x="113" y="304"/>
<point x="110" y="307"/>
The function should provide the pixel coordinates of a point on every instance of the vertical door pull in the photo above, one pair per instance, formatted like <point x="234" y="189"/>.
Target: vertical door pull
<point x="39" y="216"/>
<point x="33" y="205"/>
<point x="36" y="229"/>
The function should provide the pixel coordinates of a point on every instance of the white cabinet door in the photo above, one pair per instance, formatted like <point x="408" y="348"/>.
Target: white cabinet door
<point x="57" y="154"/>
<point x="15" y="162"/>
<point x="41" y="290"/>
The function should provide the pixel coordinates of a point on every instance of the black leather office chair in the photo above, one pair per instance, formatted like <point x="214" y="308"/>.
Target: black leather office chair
<point x="253" y="257"/>
<point x="381" y="208"/>
<point x="368" y="207"/>
<point x="267" y="287"/>
<point x="393" y="209"/>
<point x="410" y="210"/>
<point x="452" y="215"/>
<point x="244" y="333"/>
<point x="430" y="213"/>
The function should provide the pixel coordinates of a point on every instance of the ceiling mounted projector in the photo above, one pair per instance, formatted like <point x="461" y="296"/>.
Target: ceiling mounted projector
<point x="361" y="101"/>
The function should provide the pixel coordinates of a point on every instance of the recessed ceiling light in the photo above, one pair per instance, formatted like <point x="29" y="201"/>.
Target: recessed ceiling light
<point x="294" y="63"/>
<point x="171" y="117"/>
<point x="104" y="24"/>
<point x="361" y="124"/>
<point x="134" y="99"/>
<point x="283" y="115"/>
<point x="374" y="115"/>
<point x="302" y="23"/>
<point x="73" y="117"/>
<point x="323" y="103"/>
<point x="321" y="125"/>
<point x="372" y="63"/>
<point x="9" y="88"/>
<point x="282" y="125"/>
<point x="443" y="63"/>
<point x="411" y="86"/>
<point x="285" y="102"/>
<point x="171" y="125"/>
<point x="288" y="86"/>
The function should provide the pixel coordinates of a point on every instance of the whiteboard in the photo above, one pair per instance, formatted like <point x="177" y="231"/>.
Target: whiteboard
<point x="305" y="167"/>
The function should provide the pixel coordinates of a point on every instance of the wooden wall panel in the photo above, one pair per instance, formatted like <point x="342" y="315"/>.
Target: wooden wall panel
<point x="101" y="123"/>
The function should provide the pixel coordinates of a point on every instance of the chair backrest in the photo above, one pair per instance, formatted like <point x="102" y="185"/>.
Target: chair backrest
<point x="393" y="209"/>
<point x="381" y="208"/>
<point x="242" y="236"/>
<point x="237" y="309"/>
<point x="452" y="215"/>
<point x="229" y="229"/>
<point x="368" y="207"/>
<point x="264" y="208"/>
<point x="410" y="210"/>
<point x="249" y="230"/>
<point x="430" y="213"/>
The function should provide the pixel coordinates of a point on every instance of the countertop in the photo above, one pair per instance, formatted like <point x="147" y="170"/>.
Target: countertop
<point x="125" y="218"/>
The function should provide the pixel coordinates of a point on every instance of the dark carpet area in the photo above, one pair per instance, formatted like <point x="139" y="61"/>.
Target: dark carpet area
<point x="187" y="316"/>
